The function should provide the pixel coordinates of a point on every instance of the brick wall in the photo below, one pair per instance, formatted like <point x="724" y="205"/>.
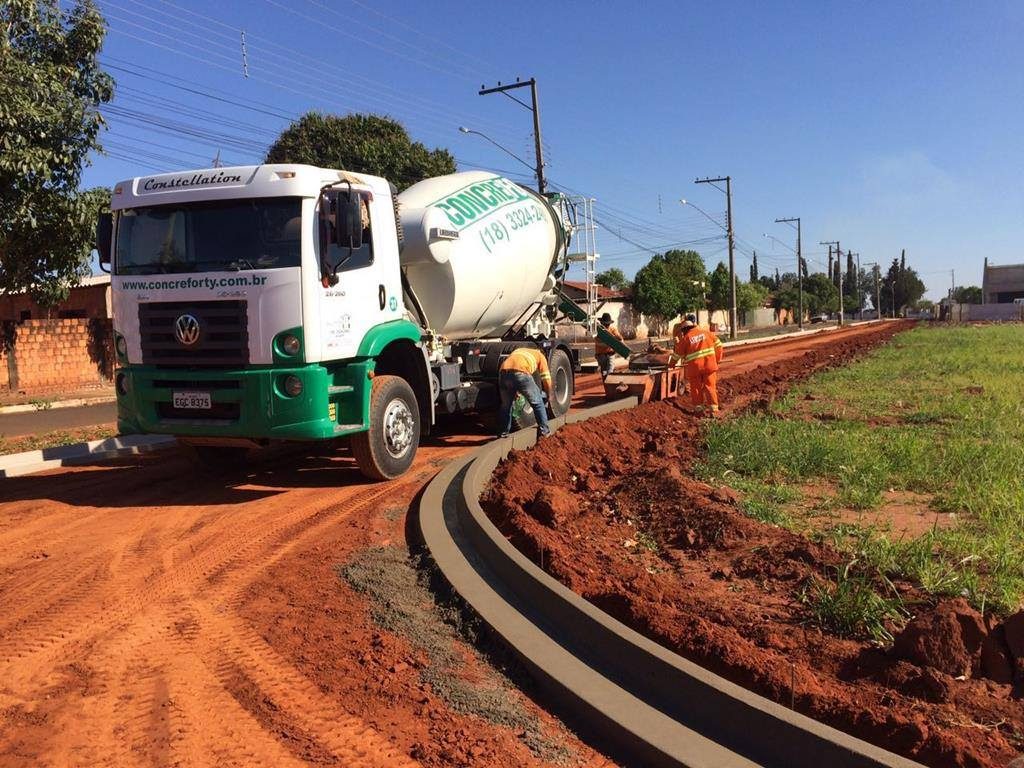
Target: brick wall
<point x="83" y="301"/>
<point x="54" y="356"/>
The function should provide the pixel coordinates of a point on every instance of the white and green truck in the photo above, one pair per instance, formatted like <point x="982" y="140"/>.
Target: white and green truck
<point x="287" y="302"/>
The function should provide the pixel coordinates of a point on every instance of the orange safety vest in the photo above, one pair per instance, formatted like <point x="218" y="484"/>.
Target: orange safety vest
<point x="699" y="349"/>
<point x="600" y="348"/>
<point x="527" y="360"/>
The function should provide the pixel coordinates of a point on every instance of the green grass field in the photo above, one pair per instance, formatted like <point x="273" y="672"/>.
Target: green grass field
<point x="939" y="413"/>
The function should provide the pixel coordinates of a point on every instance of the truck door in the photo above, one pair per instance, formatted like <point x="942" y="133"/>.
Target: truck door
<point x="368" y="290"/>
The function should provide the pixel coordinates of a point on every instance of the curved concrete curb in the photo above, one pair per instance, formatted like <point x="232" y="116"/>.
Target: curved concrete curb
<point x="27" y="463"/>
<point x="634" y="698"/>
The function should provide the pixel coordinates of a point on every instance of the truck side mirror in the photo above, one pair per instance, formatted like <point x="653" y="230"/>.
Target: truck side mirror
<point x="104" y="237"/>
<point x="348" y="221"/>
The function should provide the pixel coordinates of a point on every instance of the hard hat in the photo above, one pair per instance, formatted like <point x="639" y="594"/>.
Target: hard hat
<point x="690" y="319"/>
<point x="606" y="319"/>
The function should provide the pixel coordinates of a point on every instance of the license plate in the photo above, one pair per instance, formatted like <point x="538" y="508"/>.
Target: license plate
<point x="192" y="400"/>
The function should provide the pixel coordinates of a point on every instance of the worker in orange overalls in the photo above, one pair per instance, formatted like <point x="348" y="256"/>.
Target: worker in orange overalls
<point x="700" y="351"/>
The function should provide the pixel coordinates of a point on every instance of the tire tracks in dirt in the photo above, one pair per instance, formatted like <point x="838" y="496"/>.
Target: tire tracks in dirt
<point x="142" y="609"/>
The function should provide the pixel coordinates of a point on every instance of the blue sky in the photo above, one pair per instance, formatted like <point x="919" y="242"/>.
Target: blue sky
<point x="882" y="125"/>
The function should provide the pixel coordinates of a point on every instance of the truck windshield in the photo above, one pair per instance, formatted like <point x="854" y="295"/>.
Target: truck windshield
<point x="222" y="235"/>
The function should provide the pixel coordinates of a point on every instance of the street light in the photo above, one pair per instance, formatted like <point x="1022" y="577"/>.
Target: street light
<point x="779" y="242"/>
<point x="730" y="235"/>
<point x="464" y="129"/>
<point x="705" y="214"/>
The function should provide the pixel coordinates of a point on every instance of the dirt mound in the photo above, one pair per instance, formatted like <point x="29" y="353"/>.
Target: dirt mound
<point x="679" y="561"/>
<point x="947" y="638"/>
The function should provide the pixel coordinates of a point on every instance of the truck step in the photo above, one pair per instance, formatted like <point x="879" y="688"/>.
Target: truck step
<point x="340" y="389"/>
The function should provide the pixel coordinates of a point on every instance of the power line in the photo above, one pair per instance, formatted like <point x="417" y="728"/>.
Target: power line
<point x="369" y="88"/>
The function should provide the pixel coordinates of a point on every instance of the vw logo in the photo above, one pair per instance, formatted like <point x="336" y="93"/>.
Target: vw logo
<point x="186" y="330"/>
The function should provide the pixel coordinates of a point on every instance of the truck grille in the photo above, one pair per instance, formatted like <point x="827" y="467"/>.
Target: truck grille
<point x="223" y="334"/>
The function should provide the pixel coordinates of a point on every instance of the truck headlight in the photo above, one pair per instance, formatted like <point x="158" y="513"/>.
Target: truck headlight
<point x="290" y="344"/>
<point x="121" y="346"/>
<point x="122" y="384"/>
<point x="292" y="386"/>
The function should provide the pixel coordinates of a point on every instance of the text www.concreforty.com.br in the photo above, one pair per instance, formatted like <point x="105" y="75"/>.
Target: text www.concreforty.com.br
<point x="211" y="283"/>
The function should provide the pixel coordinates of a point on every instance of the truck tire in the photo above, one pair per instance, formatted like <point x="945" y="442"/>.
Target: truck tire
<point x="387" y="449"/>
<point x="562" y="382"/>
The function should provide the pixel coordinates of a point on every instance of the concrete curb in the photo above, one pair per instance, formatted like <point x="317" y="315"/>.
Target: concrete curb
<point x="76" y="403"/>
<point x="16" y="464"/>
<point x="642" y="703"/>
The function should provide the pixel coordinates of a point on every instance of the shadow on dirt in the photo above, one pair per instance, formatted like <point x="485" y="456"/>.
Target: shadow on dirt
<point x="174" y="477"/>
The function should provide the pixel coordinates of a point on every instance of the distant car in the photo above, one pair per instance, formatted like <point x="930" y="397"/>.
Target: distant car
<point x="819" y="318"/>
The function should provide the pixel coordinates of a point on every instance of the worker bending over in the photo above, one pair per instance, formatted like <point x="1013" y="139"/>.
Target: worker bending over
<point x="701" y="352"/>
<point x="602" y="351"/>
<point x="515" y="377"/>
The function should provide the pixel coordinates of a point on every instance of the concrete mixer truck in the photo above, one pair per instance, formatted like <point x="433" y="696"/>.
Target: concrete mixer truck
<point x="286" y="302"/>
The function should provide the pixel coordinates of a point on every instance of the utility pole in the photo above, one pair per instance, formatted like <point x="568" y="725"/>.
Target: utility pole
<point x="799" y="267"/>
<point x="732" y="262"/>
<point x="839" y="271"/>
<point x="856" y="286"/>
<point x="534" y="107"/>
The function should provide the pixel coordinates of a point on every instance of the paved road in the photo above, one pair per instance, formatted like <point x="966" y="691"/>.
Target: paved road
<point x="37" y="422"/>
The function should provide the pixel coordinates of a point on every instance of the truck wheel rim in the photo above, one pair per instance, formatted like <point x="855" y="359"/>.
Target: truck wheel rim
<point x="561" y="386"/>
<point x="398" y="428"/>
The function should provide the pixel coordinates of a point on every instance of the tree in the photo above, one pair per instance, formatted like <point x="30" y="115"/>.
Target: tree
<point x="901" y="287"/>
<point x="360" y="143"/>
<point x="753" y="269"/>
<point x="654" y="290"/>
<point x="858" y="285"/>
<point x="613" y="278"/>
<point x="719" y="293"/>
<point x="51" y="87"/>
<point x="786" y="295"/>
<point x="820" y="294"/>
<point x="750" y="296"/>
<point x="686" y="268"/>
<point x="969" y="295"/>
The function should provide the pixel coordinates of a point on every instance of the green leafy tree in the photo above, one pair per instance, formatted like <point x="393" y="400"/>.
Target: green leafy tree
<point x="901" y="287"/>
<point x="369" y="144"/>
<point x="786" y="295"/>
<point x="751" y="296"/>
<point x="686" y="269"/>
<point x="753" y="269"/>
<point x="820" y="294"/>
<point x="857" y="287"/>
<point x="967" y="295"/>
<point x="719" y="293"/>
<point x="51" y="87"/>
<point x="654" y="290"/>
<point x="613" y="278"/>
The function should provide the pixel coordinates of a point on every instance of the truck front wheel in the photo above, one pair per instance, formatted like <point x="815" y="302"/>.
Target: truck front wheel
<point x="387" y="449"/>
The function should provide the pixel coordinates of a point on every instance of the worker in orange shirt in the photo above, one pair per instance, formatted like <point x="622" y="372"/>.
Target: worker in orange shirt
<point x="602" y="351"/>
<point x="700" y="351"/>
<point x="515" y="377"/>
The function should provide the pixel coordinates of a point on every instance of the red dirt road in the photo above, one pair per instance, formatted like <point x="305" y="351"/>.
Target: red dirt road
<point x="156" y="617"/>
